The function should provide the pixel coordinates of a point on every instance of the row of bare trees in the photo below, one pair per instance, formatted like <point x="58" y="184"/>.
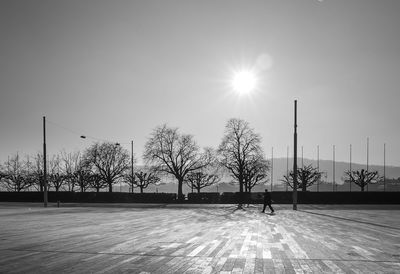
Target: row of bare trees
<point x="239" y="155"/>
<point x="167" y="153"/>
<point x="178" y="155"/>
<point x="17" y="175"/>
<point x="100" y="166"/>
<point x="309" y="175"/>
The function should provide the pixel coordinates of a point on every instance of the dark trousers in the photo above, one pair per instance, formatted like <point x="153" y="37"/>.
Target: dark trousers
<point x="269" y="205"/>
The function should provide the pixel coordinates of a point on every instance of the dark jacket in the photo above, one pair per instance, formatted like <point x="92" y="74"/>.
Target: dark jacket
<point x="267" y="198"/>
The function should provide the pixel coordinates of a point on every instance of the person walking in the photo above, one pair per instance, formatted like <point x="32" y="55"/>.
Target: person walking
<point x="267" y="202"/>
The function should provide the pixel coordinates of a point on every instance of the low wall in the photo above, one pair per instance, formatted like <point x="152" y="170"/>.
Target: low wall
<point x="89" y="197"/>
<point x="278" y="197"/>
<point x="283" y="197"/>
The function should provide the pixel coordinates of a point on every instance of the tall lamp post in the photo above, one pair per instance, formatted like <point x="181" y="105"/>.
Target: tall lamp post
<point x="318" y="168"/>
<point x="287" y="166"/>
<point x="132" y="164"/>
<point x="333" y="169"/>
<point x="44" y="163"/>
<point x="384" y="167"/>
<point x="295" y="158"/>
<point x="272" y="168"/>
<point x="367" y="158"/>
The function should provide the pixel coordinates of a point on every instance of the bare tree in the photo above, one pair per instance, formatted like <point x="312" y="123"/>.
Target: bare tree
<point x="33" y="175"/>
<point x="108" y="160"/>
<point x="77" y="171"/>
<point x="2" y="177"/>
<point x="173" y="153"/>
<point x="240" y="150"/>
<point x="146" y="178"/>
<point x="362" y="177"/>
<point x="2" y="174"/>
<point x="83" y="176"/>
<point x="306" y="176"/>
<point x="206" y="176"/>
<point x="131" y="181"/>
<point x="15" y="176"/>
<point x="256" y="172"/>
<point x="57" y="178"/>
<point x="96" y="182"/>
<point x="199" y="180"/>
<point x="36" y="171"/>
<point x="71" y="163"/>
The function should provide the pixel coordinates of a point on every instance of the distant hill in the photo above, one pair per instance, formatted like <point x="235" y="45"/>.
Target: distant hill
<point x="280" y="169"/>
<point x="326" y="166"/>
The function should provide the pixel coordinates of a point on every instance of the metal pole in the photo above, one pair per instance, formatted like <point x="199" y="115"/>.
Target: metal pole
<point x="16" y="162"/>
<point x="302" y="158"/>
<point x="367" y="157"/>
<point x="318" y="167"/>
<point x="333" y="183"/>
<point x="44" y="163"/>
<point x="367" y="153"/>
<point x="272" y="168"/>
<point x="295" y="158"/>
<point x="350" y="168"/>
<point x="287" y="166"/>
<point x="384" y="167"/>
<point x="132" y="164"/>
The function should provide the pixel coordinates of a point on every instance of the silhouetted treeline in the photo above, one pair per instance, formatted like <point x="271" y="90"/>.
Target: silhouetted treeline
<point x="239" y="160"/>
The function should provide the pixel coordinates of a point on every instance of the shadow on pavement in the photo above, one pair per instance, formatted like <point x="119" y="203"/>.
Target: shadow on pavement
<point x="348" y="219"/>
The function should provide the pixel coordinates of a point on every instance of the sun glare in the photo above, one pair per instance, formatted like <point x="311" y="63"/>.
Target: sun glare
<point x="244" y="81"/>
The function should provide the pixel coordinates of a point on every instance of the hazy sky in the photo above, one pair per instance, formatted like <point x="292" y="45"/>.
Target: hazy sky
<point x="114" y="70"/>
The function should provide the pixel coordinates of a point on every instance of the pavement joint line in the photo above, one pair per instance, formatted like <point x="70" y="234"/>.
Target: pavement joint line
<point x="196" y="256"/>
<point x="347" y="219"/>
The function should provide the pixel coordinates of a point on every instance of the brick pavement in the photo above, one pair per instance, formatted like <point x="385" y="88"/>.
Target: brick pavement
<point x="199" y="239"/>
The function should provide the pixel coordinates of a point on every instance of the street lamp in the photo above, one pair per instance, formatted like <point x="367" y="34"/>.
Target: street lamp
<point x="132" y="164"/>
<point x="44" y="164"/>
<point x="295" y="158"/>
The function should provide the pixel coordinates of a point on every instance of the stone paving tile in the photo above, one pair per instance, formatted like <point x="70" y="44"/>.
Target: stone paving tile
<point x="199" y="239"/>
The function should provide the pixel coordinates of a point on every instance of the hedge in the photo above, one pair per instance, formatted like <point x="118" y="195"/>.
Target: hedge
<point x="89" y="197"/>
<point x="278" y="197"/>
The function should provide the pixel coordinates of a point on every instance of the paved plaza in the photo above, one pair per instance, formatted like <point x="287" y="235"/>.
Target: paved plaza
<point x="198" y="239"/>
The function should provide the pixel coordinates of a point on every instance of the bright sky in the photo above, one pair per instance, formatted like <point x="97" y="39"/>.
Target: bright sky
<point x="114" y="70"/>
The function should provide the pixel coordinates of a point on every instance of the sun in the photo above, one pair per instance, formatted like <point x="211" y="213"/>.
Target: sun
<point x="244" y="81"/>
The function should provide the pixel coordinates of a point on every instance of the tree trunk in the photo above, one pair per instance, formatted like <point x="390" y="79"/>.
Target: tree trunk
<point x="141" y="189"/>
<point x="240" y="205"/>
<point x="304" y="188"/>
<point x="110" y="187"/>
<point x="362" y="188"/>
<point x="198" y="190"/>
<point x="180" y="192"/>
